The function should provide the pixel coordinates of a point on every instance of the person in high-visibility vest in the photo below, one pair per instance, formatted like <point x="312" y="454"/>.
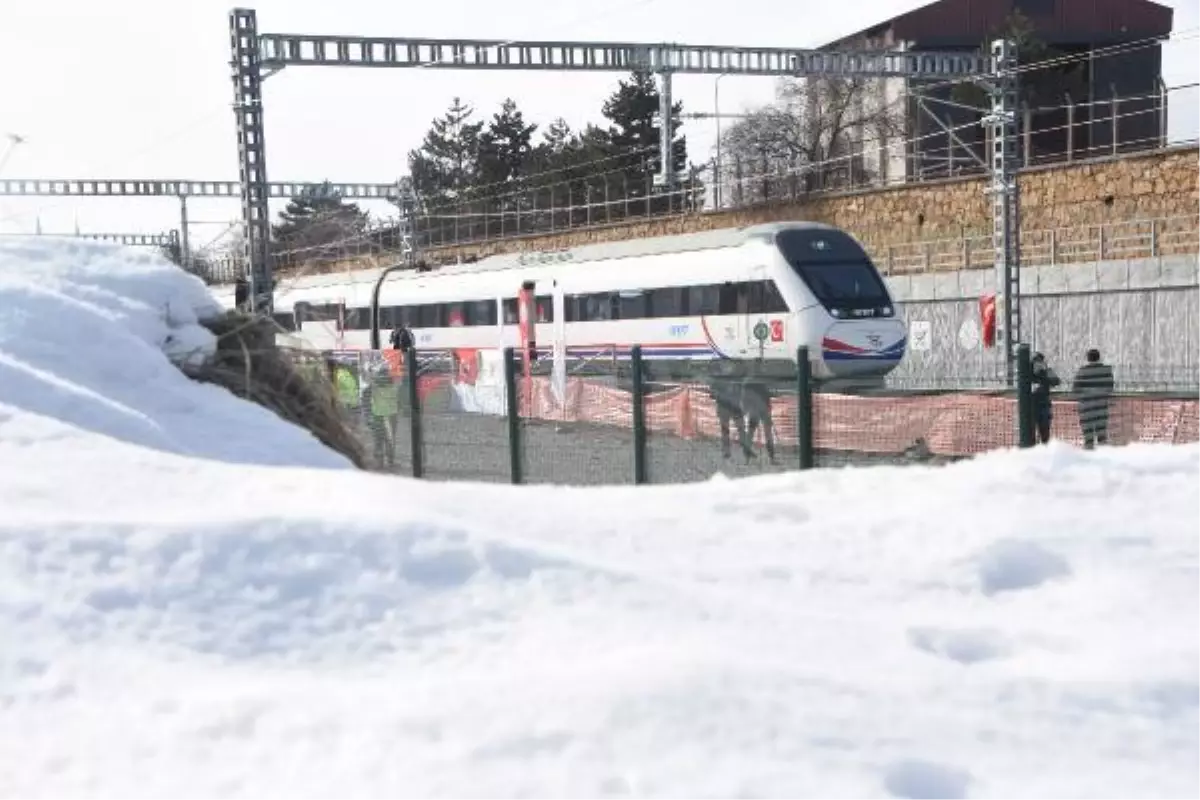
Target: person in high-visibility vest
<point x="345" y="384"/>
<point x="385" y="407"/>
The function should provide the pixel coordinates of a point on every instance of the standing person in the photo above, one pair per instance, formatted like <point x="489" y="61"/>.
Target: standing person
<point x="1044" y="379"/>
<point x="1094" y="383"/>
<point x="402" y="338"/>
<point x="385" y="408"/>
<point x="726" y="391"/>
<point x="756" y="402"/>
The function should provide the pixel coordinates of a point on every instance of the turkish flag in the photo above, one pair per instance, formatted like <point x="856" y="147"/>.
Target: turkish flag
<point x="987" y="316"/>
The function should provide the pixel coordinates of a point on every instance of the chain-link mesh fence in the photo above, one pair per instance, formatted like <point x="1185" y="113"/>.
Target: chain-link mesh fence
<point x="615" y="418"/>
<point x="373" y="393"/>
<point x="729" y="417"/>
<point x="463" y="418"/>
<point x="577" y="428"/>
<point x="890" y="426"/>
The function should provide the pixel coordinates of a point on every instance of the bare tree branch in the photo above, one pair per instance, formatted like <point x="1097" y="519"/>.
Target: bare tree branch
<point x="819" y="134"/>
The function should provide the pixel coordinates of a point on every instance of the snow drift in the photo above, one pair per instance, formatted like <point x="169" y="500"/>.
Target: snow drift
<point x="88" y="332"/>
<point x="1022" y="625"/>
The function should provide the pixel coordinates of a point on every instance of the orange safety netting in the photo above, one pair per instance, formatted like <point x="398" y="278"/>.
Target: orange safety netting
<point x="950" y="424"/>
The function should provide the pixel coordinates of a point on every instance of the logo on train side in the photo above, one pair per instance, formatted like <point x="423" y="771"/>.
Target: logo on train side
<point x="679" y="330"/>
<point x="544" y="257"/>
<point x="875" y="340"/>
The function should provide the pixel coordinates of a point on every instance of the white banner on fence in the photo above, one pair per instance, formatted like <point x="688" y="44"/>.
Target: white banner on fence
<point x="487" y="394"/>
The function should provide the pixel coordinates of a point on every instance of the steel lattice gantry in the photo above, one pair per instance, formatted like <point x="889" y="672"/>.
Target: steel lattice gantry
<point x="183" y="189"/>
<point x="257" y="55"/>
<point x="129" y="239"/>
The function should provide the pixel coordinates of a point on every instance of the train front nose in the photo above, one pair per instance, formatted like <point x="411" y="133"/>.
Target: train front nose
<point x="859" y="348"/>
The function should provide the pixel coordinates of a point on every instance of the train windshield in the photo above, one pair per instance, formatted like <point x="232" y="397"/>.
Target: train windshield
<point x="837" y="271"/>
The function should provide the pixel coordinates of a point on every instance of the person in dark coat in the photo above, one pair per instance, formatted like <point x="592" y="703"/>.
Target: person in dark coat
<point x="1044" y="380"/>
<point x="1094" y="384"/>
<point x="402" y="338"/>
<point x="756" y="402"/>
<point x="726" y="390"/>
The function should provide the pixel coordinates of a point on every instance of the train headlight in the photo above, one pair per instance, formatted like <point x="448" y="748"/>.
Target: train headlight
<point x="837" y="312"/>
<point x="887" y="311"/>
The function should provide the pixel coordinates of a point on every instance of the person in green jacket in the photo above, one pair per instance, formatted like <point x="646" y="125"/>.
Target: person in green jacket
<point x="385" y="408"/>
<point x="1094" y="384"/>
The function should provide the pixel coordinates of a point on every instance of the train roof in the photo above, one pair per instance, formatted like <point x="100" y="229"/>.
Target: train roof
<point x="600" y="251"/>
<point x="630" y="248"/>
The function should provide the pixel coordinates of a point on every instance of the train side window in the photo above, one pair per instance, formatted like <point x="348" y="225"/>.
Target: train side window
<point x="597" y="307"/>
<point x="481" y="312"/>
<point x="670" y="302"/>
<point x="764" y="298"/>
<point x="353" y="319"/>
<point x="704" y="300"/>
<point x="631" y="305"/>
<point x="732" y="298"/>
<point x="428" y="316"/>
<point x="285" y="320"/>
<point x="545" y="308"/>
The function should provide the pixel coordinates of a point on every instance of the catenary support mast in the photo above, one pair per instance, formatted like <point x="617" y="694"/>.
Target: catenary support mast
<point x="1006" y="209"/>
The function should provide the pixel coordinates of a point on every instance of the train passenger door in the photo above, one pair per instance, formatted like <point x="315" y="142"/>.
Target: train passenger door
<point x="734" y="308"/>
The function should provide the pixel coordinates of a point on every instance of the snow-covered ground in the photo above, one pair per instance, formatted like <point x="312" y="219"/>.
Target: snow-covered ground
<point x="181" y="617"/>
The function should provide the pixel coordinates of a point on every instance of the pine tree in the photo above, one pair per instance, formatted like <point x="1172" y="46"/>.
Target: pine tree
<point x="505" y="149"/>
<point x="568" y="167"/>
<point x="445" y="168"/>
<point x="634" y="135"/>
<point x="318" y="216"/>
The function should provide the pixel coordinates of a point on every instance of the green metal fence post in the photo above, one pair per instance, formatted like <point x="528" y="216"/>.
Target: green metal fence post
<point x="639" y="415"/>
<point x="414" y="406"/>
<point x="1024" y="397"/>
<point x="804" y="409"/>
<point x="514" y="414"/>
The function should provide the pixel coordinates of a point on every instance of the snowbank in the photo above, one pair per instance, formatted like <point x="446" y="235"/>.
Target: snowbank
<point x="87" y="331"/>
<point x="1020" y="626"/>
<point x="1024" y="625"/>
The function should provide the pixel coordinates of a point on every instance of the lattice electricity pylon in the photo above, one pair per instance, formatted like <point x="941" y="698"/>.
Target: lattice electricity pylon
<point x="405" y="200"/>
<point x="275" y="51"/>
<point x="1006" y="206"/>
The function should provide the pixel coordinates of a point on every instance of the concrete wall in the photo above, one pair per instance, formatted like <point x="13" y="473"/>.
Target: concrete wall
<point x="1143" y="315"/>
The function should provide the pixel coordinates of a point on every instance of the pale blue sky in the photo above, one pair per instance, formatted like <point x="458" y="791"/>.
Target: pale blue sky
<point x="141" y="88"/>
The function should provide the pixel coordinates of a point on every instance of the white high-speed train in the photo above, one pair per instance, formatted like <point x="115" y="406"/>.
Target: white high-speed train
<point x="734" y="293"/>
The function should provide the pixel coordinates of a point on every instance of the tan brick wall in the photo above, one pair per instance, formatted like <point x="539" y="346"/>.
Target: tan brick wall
<point x="1141" y="186"/>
